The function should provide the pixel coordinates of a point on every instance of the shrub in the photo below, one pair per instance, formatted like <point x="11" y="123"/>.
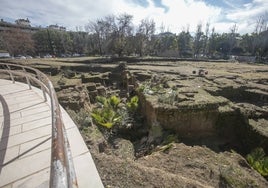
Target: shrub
<point x="258" y="161"/>
<point x="102" y="100"/>
<point x="132" y="105"/>
<point x="114" y="101"/>
<point x="168" y="97"/>
<point x="111" y="113"/>
<point x="107" y="115"/>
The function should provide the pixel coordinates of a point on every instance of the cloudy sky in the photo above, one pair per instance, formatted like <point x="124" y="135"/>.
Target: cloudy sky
<point x="174" y="14"/>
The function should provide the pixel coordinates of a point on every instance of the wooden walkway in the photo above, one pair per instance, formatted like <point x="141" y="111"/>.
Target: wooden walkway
<point x="25" y="140"/>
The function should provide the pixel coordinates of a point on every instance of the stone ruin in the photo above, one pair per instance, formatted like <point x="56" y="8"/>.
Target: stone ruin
<point x="192" y="105"/>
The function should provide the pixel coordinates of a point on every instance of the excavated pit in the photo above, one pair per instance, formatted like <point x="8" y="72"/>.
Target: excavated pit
<point x="188" y="125"/>
<point x="221" y="111"/>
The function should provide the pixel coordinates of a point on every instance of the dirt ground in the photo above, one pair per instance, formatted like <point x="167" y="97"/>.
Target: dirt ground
<point x="181" y="166"/>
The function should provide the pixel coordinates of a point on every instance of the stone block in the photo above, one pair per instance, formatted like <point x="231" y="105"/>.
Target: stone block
<point x="91" y="86"/>
<point x="101" y="90"/>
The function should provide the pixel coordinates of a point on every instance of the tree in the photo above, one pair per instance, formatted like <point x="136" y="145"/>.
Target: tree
<point x="198" y="40"/>
<point x="122" y="30"/>
<point x="145" y="32"/>
<point x="66" y="43"/>
<point x="79" y="42"/>
<point x="92" y="44"/>
<point x="212" y="43"/>
<point x="206" y="37"/>
<point x="223" y="45"/>
<point x="111" y="33"/>
<point x="49" y="41"/>
<point x="261" y="23"/>
<point x="260" y="36"/>
<point x="101" y="29"/>
<point x="131" y="45"/>
<point x="184" y="44"/>
<point x="232" y="38"/>
<point x="247" y="44"/>
<point x="165" y="43"/>
<point x="41" y="42"/>
<point x="18" y="42"/>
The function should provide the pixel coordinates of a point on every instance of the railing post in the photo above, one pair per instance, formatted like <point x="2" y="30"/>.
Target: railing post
<point x="42" y="87"/>
<point x="27" y="79"/>
<point x="10" y="73"/>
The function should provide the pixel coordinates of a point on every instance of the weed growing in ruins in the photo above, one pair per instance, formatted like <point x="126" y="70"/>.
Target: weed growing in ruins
<point x="258" y="161"/>
<point x="154" y="86"/>
<point x="107" y="115"/>
<point x="132" y="105"/>
<point x="168" y="98"/>
<point x="111" y="113"/>
<point x="158" y="86"/>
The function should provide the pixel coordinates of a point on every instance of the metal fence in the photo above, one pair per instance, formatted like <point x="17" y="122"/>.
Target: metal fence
<point x="62" y="172"/>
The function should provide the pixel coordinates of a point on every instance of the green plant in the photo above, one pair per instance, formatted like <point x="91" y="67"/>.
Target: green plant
<point x="258" y="161"/>
<point x="114" y="101"/>
<point x="132" y="105"/>
<point x="168" y="97"/>
<point x="111" y="113"/>
<point x="106" y="117"/>
<point x="102" y="100"/>
<point x="141" y="88"/>
<point x="146" y="88"/>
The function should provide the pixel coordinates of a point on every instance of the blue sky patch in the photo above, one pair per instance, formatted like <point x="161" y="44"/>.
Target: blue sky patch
<point x="158" y="3"/>
<point x="228" y="3"/>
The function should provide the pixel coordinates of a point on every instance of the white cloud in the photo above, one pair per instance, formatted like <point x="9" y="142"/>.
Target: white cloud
<point x="190" y="12"/>
<point x="246" y="15"/>
<point x="180" y="13"/>
<point x="77" y="13"/>
<point x="247" y="12"/>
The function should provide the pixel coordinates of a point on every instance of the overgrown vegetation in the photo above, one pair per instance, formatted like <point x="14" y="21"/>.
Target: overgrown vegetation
<point x="107" y="114"/>
<point x="168" y="98"/>
<point x="158" y="86"/>
<point x="259" y="161"/>
<point x="132" y="105"/>
<point x="112" y="111"/>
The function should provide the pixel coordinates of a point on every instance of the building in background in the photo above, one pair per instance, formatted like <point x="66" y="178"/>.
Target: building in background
<point x="56" y="27"/>
<point x="23" y="22"/>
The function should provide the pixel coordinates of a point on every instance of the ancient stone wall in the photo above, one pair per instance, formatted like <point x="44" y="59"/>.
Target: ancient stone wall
<point x="186" y="122"/>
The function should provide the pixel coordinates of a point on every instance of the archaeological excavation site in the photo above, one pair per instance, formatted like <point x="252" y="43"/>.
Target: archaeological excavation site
<point x="168" y="122"/>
